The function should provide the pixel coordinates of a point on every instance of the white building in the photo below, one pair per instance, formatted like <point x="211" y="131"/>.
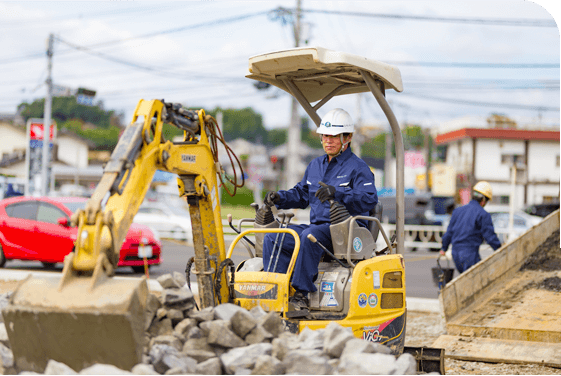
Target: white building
<point x="479" y="151"/>
<point x="71" y="161"/>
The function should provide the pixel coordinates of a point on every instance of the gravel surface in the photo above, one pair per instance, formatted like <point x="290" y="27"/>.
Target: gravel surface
<point x="423" y="328"/>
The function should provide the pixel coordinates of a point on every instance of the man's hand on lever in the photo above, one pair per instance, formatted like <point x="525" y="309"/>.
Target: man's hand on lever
<point x="326" y="192"/>
<point x="271" y="198"/>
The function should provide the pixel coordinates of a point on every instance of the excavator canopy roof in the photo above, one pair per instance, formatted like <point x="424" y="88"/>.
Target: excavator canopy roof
<point x="318" y="72"/>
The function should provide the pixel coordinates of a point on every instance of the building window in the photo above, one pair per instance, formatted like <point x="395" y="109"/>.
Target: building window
<point x="502" y="200"/>
<point x="509" y="159"/>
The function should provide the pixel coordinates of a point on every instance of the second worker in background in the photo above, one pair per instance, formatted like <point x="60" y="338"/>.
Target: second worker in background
<point x="345" y="178"/>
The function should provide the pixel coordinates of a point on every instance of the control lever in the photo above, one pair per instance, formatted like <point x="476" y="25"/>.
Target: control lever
<point x="289" y="216"/>
<point x="229" y="216"/>
<point x="314" y="240"/>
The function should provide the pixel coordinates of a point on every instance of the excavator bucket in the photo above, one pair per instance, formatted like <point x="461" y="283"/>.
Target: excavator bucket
<point x="85" y="322"/>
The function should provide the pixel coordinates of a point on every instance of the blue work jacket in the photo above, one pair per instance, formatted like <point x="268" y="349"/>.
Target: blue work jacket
<point x="469" y="225"/>
<point x="352" y="179"/>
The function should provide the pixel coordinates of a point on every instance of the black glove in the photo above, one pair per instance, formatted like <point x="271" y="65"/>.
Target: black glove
<point x="271" y="198"/>
<point x="326" y="192"/>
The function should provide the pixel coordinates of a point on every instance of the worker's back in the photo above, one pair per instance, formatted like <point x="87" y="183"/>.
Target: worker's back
<point x="469" y="225"/>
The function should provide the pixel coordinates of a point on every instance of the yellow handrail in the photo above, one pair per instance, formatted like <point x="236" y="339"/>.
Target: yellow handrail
<point x="270" y="230"/>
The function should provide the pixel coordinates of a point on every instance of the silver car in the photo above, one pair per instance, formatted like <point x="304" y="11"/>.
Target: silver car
<point x="521" y="222"/>
<point x="171" y="221"/>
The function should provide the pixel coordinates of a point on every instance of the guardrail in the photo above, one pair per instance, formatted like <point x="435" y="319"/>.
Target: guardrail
<point x="416" y="236"/>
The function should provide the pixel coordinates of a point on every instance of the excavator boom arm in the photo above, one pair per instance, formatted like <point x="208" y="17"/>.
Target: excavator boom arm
<point x="141" y="151"/>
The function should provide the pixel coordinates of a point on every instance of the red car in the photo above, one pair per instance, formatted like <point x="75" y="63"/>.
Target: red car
<point x="38" y="229"/>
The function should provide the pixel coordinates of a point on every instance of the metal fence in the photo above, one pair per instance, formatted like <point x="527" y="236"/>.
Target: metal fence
<point x="416" y="236"/>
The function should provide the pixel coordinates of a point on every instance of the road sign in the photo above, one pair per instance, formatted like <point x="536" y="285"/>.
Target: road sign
<point x="84" y="99"/>
<point x="34" y="155"/>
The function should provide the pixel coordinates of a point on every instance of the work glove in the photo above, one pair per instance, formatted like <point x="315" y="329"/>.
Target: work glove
<point x="271" y="198"/>
<point x="326" y="192"/>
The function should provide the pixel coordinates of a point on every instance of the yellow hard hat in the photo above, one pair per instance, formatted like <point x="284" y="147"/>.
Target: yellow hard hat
<point x="484" y="188"/>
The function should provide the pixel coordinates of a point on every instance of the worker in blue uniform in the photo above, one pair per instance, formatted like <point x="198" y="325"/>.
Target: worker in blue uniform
<point x="345" y="178"/>
<point x="469" y="225"/>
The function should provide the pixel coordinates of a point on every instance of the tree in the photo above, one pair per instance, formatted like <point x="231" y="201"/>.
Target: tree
<point x="66" y="108"/>
<point x="102" y="138"/>
<point x="277" y="136"/>
<point x="244" y="123"/>
<point x="413" y="139"/>
<point x="308" y="135"/>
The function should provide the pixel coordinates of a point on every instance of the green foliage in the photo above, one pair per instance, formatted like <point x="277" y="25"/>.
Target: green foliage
<point x="413" y="139"/>
<point x="243" y="196"/>
<point x="309" y="135"/>
<point x="103" y="138"/>
<point x="244" y="123"/>
<point x="277" y="136"/>
<point x="66" y="108"/>
<point x="376" y="147"/>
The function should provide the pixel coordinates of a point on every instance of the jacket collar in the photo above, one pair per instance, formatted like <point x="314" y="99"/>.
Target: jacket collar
<point x="341" y="158"/>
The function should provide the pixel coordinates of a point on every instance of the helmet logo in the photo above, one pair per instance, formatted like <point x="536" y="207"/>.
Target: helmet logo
<point x="327" y="124"/>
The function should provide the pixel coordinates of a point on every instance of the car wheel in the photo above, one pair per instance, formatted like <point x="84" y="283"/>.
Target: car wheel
<point x="48" y="265"/>
<point x="139" y="269"/>
<point x="2" y="256"/>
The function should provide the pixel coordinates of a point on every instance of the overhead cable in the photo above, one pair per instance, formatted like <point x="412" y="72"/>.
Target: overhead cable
<point x="484" y="104"/>
<point x="218" y="22"/>
<point x="157" y="71"/>
<point x="464" y="20"/>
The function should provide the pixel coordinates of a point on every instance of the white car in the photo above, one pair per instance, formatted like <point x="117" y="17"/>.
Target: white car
<point x="170" y="221"/>
<point x="521" y="221"/>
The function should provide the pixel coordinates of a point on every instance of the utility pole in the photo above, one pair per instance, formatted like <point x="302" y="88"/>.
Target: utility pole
<point x="358" y="138"/>
<point x="387" y="160"/>
<point x="428" y="150"/>
<point x="294" y="131"/>
<point x="47" y="118"/>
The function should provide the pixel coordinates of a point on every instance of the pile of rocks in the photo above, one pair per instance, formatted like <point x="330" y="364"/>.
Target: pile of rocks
<point x="6" y="356"/>
<point x="228" y="339"/>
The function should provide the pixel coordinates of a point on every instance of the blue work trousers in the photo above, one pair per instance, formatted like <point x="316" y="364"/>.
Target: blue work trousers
<point x="306" y="268"/>
<point x="465" y="258"/>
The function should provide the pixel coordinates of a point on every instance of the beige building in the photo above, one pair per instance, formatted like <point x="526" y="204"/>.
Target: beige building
<point x="71" y="163"/>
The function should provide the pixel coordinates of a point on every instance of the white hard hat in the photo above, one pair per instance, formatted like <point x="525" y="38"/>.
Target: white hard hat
<point x="335" y="122"/>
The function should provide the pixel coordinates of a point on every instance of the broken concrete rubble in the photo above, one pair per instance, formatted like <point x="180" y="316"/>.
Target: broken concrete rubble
<point x="228" y="339"/>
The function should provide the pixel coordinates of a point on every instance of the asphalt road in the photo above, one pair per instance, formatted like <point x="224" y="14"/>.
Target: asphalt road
<point x="418" y="264"/>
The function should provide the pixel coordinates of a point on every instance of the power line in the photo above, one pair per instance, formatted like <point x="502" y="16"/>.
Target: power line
<point x="484" y="104"/>
<point x="464" y="20"/>
<point x="476" y="65"/>
<point x="112" y="12"/>
<point x="218" y="22"/>
<point x="157" y="71"/>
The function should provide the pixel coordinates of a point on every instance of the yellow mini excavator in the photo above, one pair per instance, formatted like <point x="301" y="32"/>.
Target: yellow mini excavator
<point x="87" y="316"/>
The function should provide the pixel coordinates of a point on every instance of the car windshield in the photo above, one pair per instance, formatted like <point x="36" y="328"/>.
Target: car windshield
<point x="74" y="206"/>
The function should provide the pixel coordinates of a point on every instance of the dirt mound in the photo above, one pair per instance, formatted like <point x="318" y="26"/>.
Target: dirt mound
<point x="547" y="256"/>
<point x="551" y="284"/>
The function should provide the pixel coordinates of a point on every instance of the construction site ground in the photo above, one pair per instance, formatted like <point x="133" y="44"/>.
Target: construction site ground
<point x="540" y="277"/>
<point x="423" y="328"/>
<point x="529" y="300"/>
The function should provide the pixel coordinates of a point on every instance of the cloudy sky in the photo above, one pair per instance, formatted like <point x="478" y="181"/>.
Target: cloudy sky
<point x="457" y="58"/>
